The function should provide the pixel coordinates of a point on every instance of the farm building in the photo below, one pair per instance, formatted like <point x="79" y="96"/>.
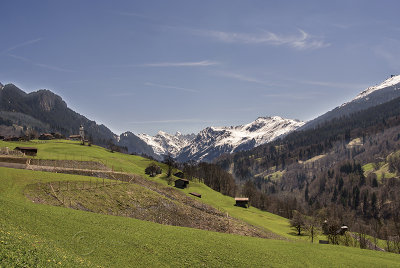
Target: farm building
<point x="46" y="136"/>
<point x="11" y="139"/>
<point x="181" y="183"/>
<point x="32" y="151"/>
<point x="195" y="194"/>
<point x="242" y="202"/>
<point x="75" y="137"/>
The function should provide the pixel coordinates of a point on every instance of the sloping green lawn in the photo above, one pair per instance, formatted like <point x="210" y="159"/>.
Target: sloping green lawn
<point x="39" y="234"/>
<point x="36" y="235"/>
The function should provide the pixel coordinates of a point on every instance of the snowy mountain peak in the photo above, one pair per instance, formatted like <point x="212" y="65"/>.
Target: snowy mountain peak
<point x="393" y="80"/>
<point x="164" y="143"/>
<point x="211" y="142"/>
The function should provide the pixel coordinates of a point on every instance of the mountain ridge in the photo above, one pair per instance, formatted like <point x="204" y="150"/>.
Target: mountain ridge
<point x="212" y="142"/>
<point x="372" y="96"/>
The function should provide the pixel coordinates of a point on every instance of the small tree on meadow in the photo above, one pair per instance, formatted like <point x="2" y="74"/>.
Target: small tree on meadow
<point x="298" y="222"/>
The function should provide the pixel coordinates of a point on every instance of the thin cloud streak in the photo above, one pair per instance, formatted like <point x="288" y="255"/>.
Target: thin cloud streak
<point x="132" y="14"/>
<point x="42" y="65"/>
<point x="171" y="121"/>
<point x="171" y="87"/>
<point x="182" y="64"/>
<point x="334" y="85"/>
<point x="127" y="94"/>
<point x="301" y="41"/>
<point x="290" y="96"/>
<point x="21" y="45"/>
<point x="246" y="78"/>
<point x="203" y="63"/>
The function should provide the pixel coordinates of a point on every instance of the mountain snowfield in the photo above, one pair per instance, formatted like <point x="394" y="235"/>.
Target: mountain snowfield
<point x="211" y="142"/>
<point x="262" y="130"/>
<point x="372" y="96"/>
<point x="393" y="80"/>
<point x="164" y="143"/>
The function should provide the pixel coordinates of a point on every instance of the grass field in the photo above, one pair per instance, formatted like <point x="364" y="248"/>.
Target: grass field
<point x="34" y="235"/>
<point x="382" y="171"/>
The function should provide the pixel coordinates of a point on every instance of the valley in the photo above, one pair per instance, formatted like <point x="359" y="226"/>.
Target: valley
<point x="199" y="134"/>
<point x="53" y="235"/>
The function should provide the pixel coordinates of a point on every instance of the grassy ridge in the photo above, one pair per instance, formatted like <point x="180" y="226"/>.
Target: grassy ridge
<point x="41" y="235"/>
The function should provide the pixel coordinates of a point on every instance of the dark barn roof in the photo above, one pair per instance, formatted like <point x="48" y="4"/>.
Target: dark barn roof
<point x="26" y="148"/>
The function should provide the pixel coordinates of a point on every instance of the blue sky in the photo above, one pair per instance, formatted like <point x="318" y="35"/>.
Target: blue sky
<point x="145" y="66"/>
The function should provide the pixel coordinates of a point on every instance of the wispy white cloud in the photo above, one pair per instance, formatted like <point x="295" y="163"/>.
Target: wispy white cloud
<point x="246" y="78"/>
<point x="21" y="45"/>
<point x="171" y="87"/>
<point x="168" y="121"/>
<point x="302" y="40"/>
<point x="203" y="63"/>
<point x="333" y="84"/>
<point x="42" y="65"/>
<point x="182" y="64"/>
<point x="306" y="96"/>
<point x="132" y="14"/>
<point x="122" y="94"/>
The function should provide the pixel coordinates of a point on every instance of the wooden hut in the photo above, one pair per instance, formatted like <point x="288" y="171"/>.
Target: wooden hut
<point x="46" y="136"/>
<point x="32" y="151"/>
<point x="75" y="137"/>
<point x="242" y="202"/>
<point x="181" y="183"/>
<point x="195" y="194"/>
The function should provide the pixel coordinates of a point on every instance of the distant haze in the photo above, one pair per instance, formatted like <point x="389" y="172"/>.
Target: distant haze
<point x="145" y="66"/>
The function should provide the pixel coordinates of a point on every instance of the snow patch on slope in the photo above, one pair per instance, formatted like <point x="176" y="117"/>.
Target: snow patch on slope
<point x="164" y="143"/>
<point x="262" y="130"/>
<point x="214" y="141"/>
<point x="387" y="83"/>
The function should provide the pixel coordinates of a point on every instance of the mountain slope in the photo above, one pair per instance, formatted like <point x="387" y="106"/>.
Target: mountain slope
<point x="51" y="110"/>
<point x="37" y="235"/>
<point x="44" y="111"/>
<point x="135" y="145"/>
<point x="215" y="141"/>
<point x="372" y="96"/>
<point x="164" y="143"/>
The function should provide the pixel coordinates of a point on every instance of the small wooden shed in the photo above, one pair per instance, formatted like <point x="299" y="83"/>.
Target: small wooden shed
<point x="32" y="151"/>
<point x="181" y="183"/>
<point x="195" y="194"/>
<point x="242" y="202"/>
<point x="75" y="137"/>
<point x="46" y="136"/>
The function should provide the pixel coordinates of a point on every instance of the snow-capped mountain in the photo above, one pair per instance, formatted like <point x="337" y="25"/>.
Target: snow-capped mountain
<point x="372" y="96"/>
<point x="212" y="142"/>
<point x="164" y="143"/>
<point x="392" y="81"/>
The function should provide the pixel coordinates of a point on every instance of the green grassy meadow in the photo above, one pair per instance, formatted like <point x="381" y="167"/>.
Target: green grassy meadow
<point x="37" y="235"/>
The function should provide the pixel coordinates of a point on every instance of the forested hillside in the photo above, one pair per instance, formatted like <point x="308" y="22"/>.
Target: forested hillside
<point x="345" y="170"/>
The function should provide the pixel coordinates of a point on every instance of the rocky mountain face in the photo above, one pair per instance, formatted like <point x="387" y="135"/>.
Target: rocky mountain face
<point x="212" y="142"/>
<point x="51" y="111"/>
<point x="136" y="145"/>
<point x="372" y="96"/>
<point x="44" y="111"/>
<point x="164" y="143"/>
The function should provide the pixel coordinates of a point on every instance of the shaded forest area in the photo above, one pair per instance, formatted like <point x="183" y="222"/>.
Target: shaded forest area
<point x="344" y="172"/>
